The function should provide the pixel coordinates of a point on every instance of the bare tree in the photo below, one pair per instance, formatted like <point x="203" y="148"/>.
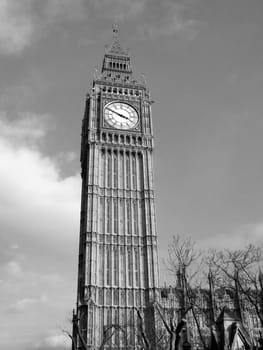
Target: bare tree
<point x="74" y="345"/>
<point x="109" y="333"/>
<point x="141" y="329"/>
<point x="185" y="261"/>
<point x="174" y="330"/>
<point x="240" y="270"/>
<point x="183" y="254"/>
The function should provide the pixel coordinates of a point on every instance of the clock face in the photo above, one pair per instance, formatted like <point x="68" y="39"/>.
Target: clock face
<point x="120" y="115"/>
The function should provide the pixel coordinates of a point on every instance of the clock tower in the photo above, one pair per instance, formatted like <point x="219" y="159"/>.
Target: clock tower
<point x="118" y="275"/>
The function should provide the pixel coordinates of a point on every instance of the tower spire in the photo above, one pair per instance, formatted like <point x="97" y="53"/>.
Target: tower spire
<point x="115" y="48"/>
<point x="115" y="29"/>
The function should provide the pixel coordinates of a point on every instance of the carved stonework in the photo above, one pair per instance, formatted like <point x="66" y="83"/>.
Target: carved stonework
<point x="118" y="265"/>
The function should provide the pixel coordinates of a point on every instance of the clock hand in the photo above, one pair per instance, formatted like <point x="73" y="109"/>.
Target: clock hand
<point x="120" y="115"/>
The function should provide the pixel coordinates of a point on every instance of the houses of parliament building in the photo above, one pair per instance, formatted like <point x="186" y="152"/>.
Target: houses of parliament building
<point x="119" y="298"/>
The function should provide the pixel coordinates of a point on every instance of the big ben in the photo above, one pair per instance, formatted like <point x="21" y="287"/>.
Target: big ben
<point x="118" y="275"/>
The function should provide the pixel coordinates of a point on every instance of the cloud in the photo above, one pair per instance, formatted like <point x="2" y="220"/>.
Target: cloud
<point x="236" y="238"/>
<point x="23" y="22"/>
<point x="14" y="268"/>
<point x="68" y="10"/>
<point x="51" y="280"/>
<point x="56" y="341"/>
<point x="27" y="130"/>
<point x="26" y="173"/>
<point x="119" y="10"/>
<point x="169" y="19"/>
<point x="39" y="215"/>
<point x="16" y="25"/>
<point x="22" y="95"/>
<point x="22" y="304"/>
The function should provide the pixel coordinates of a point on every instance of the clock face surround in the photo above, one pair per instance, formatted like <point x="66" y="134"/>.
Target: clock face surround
<point x="121" y="115"/>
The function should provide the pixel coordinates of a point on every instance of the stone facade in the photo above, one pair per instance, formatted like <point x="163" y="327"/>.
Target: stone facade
<point x="225" y="321"/>
<point x="118" y="263"/>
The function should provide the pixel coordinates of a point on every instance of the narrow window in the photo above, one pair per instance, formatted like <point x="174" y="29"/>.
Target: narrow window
<point x="108" y="216"/>
<point x="121" y="171"/>
<point x="115" y="266"/>
<point x="89" y="221"/>
<point x="129" y="262"/>
<point x="115" y="171"/>
<point x="115" y="316"/>
<point x="128" y="217"/>
<point x="141" y="180"/>
<point x="134" y="172"/>
<point x="122" y="214"/>
<point x="102" y="169"/>
<point x="136" y="261"/>
<point x="142" y="267"/>
<point x="115" y="216"/>
<point x="101" y="269"/>
<point x="108" y="317"/>
<point x="130" y="298"/>
<point x="127" y="171"/>
<point x="101" y="296"/>
<point x="101" y="215"/>
<point x="90" y="324"/>
<point x="108" y="267"/>
<point x="109" y="169"/>
<point x="123" y="297"/>
<point x="108" y="297"/>
<point x="130" y="338"/>
<point x="122" y="266"/>
<point x="115" y="297"/>
<point x="135" y="218"/>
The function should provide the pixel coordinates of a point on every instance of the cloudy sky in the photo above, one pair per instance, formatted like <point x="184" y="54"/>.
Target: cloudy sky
<point x="203" y="64"/>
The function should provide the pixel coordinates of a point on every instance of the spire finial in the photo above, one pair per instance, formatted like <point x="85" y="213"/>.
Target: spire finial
<point x="115" y="29"/>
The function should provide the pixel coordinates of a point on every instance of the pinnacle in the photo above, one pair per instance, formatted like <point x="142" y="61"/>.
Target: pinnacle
<point x="116" y="48"/>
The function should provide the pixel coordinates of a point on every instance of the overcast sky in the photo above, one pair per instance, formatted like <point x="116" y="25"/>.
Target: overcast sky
<point x="203" y="62"/>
